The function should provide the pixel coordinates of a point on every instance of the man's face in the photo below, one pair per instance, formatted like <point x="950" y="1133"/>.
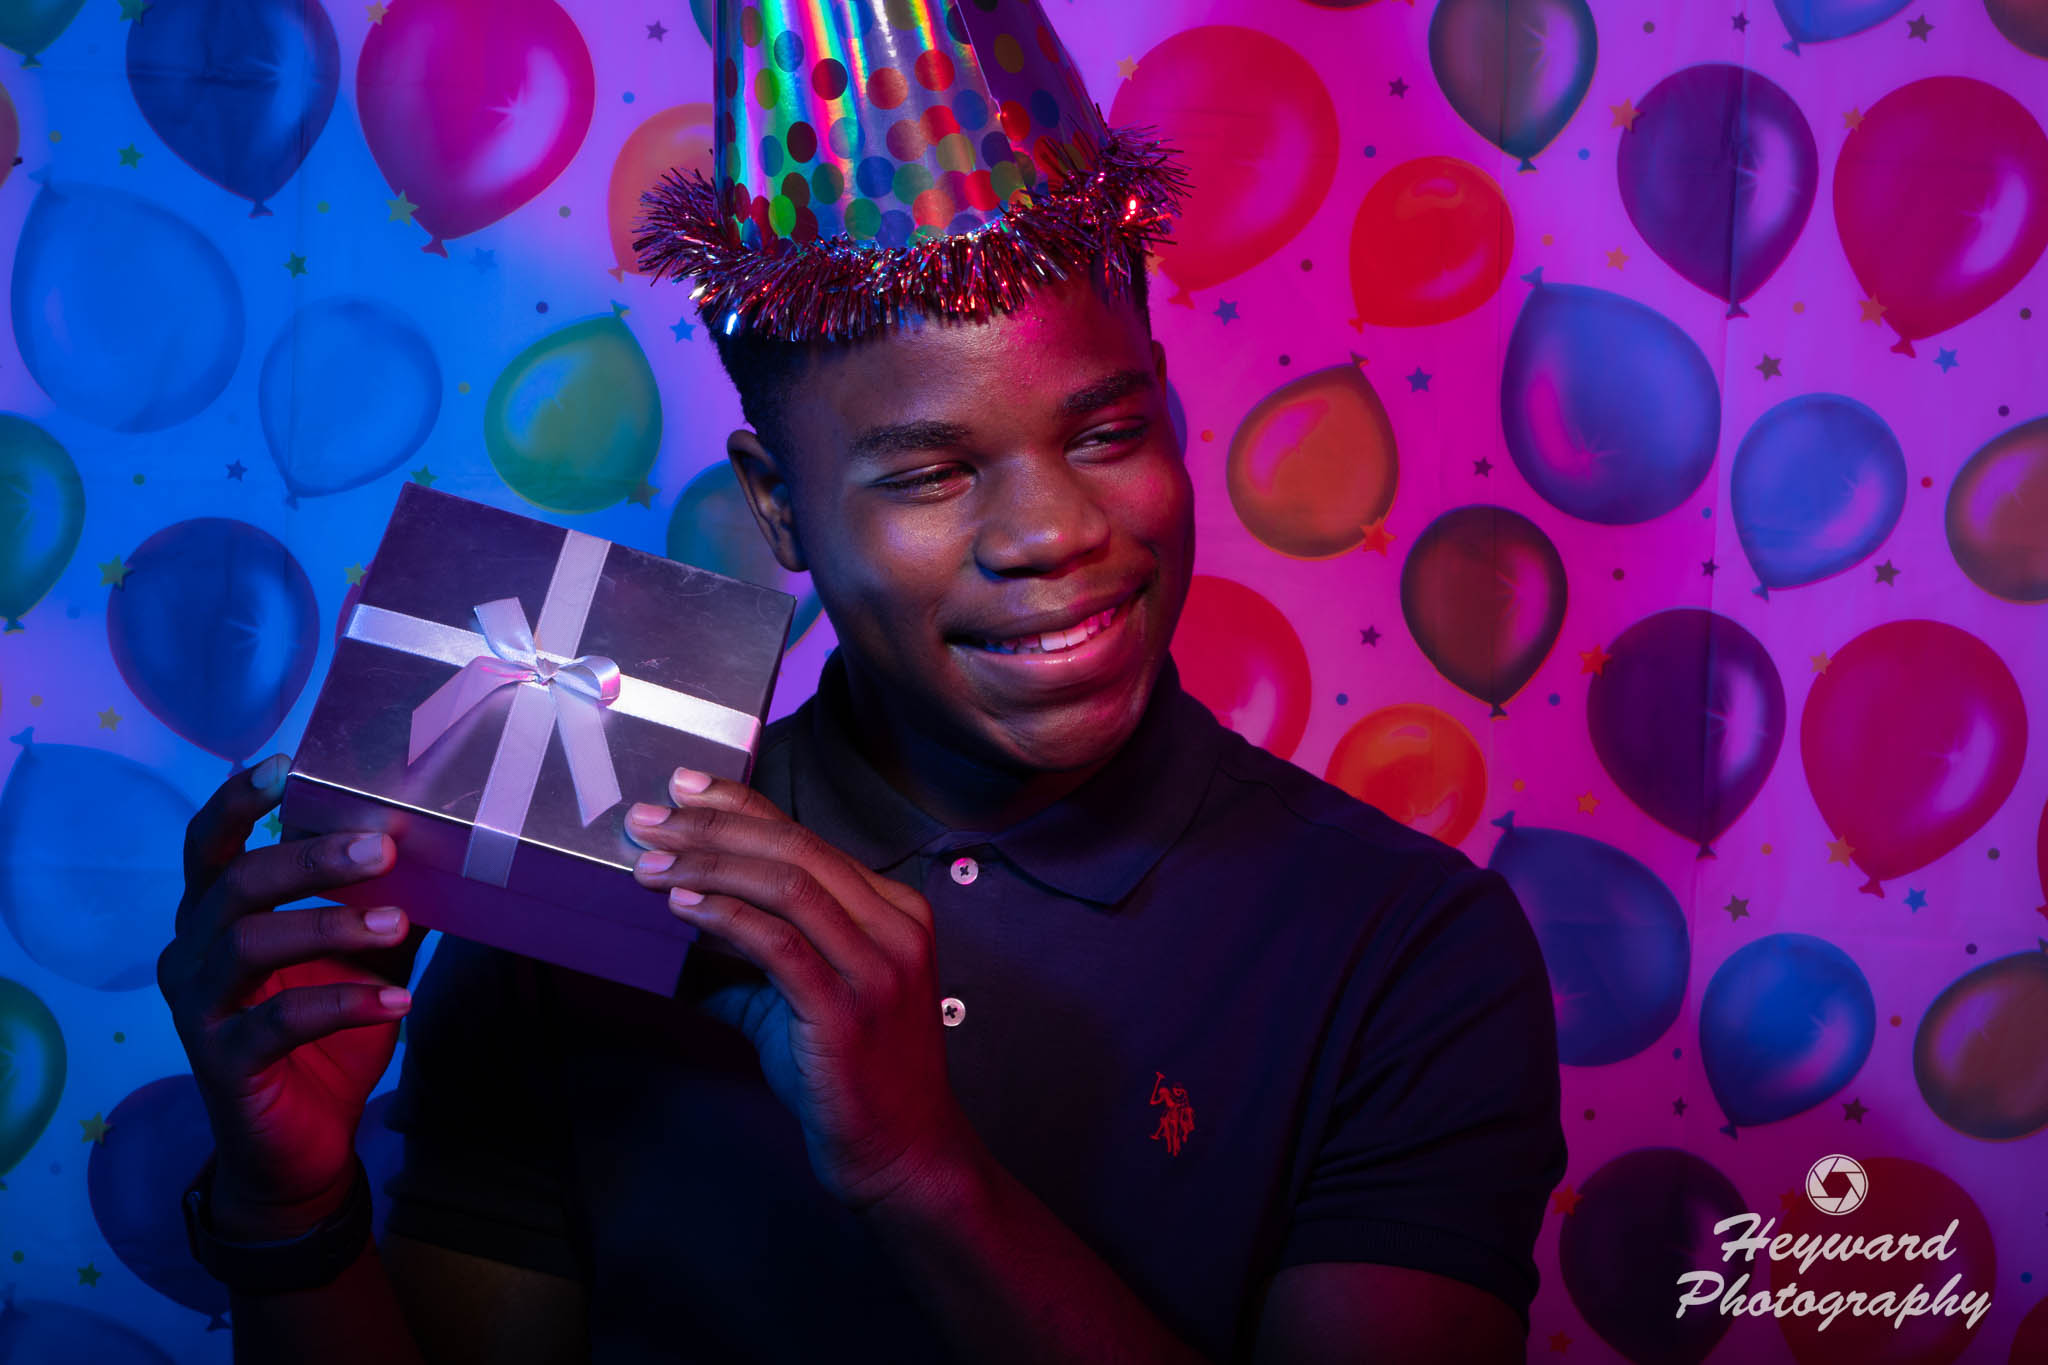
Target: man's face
<point x="955" y="482"/>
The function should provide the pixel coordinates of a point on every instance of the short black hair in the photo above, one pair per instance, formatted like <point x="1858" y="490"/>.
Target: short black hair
<point x="762" y="368"/>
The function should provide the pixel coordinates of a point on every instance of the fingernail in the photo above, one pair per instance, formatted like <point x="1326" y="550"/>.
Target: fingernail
<point x="683" y="895"/>
<point x="367" y="849"/>
<point x="382" y="920"/>
<point x="655" y="860"/>
<point x="269" y="775"/>
<point x="644" y="814"/>
<point x="688" y="782"/>
<point x="394" y="998"/>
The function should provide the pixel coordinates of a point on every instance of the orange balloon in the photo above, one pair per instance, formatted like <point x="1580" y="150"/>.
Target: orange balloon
<point x="1431" y="242"/>
<point x="678" y="137"/>
<point x="1313" y="463"/>
<point x="1416" y="764"/>
<point x="1238" y="656"/>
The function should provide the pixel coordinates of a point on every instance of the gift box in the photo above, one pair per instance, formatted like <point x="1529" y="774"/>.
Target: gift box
<point x="502" y="692"/>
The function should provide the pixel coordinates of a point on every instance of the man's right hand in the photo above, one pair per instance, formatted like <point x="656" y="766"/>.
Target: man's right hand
<point x="289" y="1017"/>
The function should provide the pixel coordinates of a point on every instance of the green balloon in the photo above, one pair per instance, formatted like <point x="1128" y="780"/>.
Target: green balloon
<point x="42" y="510"/>
<point x="713" y="528"/>
<point x="574" y="421"/>
<point x="31" y="1070"/>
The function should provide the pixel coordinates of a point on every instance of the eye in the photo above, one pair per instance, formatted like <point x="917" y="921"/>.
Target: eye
<point x="1116" y="435"/>
<point x="924" y="480"/>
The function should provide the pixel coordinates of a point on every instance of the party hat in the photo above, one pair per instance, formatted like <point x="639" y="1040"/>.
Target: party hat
<point x="881" y="157"/>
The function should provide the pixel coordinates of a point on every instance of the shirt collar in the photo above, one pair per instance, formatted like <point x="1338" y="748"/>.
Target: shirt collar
<point x="1095" y="844"/>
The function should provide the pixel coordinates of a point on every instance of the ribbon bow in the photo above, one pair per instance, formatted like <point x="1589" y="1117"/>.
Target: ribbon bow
<point x="580" y="689"/>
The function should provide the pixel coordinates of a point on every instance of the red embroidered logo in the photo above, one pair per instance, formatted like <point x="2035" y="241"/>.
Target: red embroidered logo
<point x="1178" y="1120"/>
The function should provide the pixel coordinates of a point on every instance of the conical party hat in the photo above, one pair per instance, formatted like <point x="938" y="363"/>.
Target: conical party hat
<point x="878" y="157"/>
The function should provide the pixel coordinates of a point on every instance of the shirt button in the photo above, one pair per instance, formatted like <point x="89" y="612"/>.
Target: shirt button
<point x="965" y="870"/>
<point x="952" y="1011"/>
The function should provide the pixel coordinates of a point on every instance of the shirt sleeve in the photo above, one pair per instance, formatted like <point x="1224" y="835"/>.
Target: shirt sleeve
<point x="485" y="1142"/>
<point x="1442" y="1140"/>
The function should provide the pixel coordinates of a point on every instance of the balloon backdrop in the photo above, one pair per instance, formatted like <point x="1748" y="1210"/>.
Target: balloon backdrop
<point x="214" y="628"/>
<point x="124" y="312"/>
<point x="1978" y="1054"/>
<point x="472" y="107"/>
<point x="713" y="528"/>
<point x="240" y="89"/>
<point x="678" y="139"/>
<point x="1237" y="654"/>
<point x="32" y="1063"/>
<point x="2030" y="1343"/>
<point x="574" y="421"/>
<point x="1614" y="939"/>
<point x="1718" y="171"/>
<point x="96" y="911"/>
<point x="1610" y="411"/>
<point x="323" y="437"/>
<point x="1686" y="715"/>
<point x="1416" y="764"/>
<point x="1258" y="133"/>
<point x="1996" y="529"/>
<point x="1818" y="21"/>
<point x="1785" y="1022"/>
<point x="42" y="510"/>
<point x="39" y="1331"/>
<point x="10" y="135"/>
<point x="29" y="26"/>
<point x="1937" y="247"/>
<point x="1912" y="738"/>
<point x="1313" y="465"/>
<point x="1483" y="593"/>
<point x="1640" y="1222"/>
<point x="1818" y="484"/>
<point x="156" y="1140"/>
<point x="1514" y="69"/>
<point x="1431" y="242"/>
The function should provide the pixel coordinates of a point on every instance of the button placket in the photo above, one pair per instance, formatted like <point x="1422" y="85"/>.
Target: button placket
<point x="965" y="870"/>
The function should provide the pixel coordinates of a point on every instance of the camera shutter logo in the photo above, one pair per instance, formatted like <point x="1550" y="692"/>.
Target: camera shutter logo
<point x="1837" y="1184"/>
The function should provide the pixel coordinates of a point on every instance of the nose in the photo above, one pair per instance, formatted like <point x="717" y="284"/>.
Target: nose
<point x="1040" y="514"/>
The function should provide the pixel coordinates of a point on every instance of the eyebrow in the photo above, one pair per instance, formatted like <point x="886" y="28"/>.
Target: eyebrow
<point x="880" y="442"/>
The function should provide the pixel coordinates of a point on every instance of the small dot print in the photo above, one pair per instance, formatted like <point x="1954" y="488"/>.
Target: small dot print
<point x="1896" y="1021"/>
<point x="1677" y="1052"/>
<point x="1307" y="264"/>
<point x="1970" y="948"/>
<point x="120" y="1037"/>
<point x="1618" y="575"/>
<point x="1343" y="697"/>
<point x="19" y="1258"/>
<point x="1208" y="435"/>
<point x="564" y="210"/>
<point x="1585" y="153"/>
<point x="1284" y="360"/>
<point x="1374" y="151"/>
<point x="1798" y="307"/>
<point x="1549" y="240"/>
<point x="1589" y="1113"/>
<point x="627" y="97"/>
<point x="1555" y="699"/>
<point x="1994" y="854"/>
<point x="1649" y="26"/>
<point x="541" y="307"/>
<point x="2025" y="313"/>
<point x="1927" y="481"/>
<point x="322" y="206"/>
<point x="2004" y="410"/>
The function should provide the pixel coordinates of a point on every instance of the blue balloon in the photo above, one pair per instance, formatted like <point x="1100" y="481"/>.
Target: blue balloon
<point x="125" y="313"/>
<point x="1718" y="173"/>
<point x="1785" y="1022"/>
<point x="29" y="26"/>
<point x="1610" y="410"/>
<point x="93" y="909"/>
<point x="1515" y="70"/>
<point x="214" y="629"/>
<point x="1818" y="484"/>
<point x="1687" y="717"/>
<point x="1613" y="937"/>
<point x="239" y="89"/>
<point x="42" y="508"/>
<point x="1816" y="21"/>
<point x="156" y="1141"/>
<point x="350" y="390"/>
<point x="39" y="1332"/>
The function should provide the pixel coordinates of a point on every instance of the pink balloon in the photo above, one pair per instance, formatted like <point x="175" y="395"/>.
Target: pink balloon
<point x="1912" y="738"/>
<point x="472" y="107"/>
<point x="1941" y="199"/>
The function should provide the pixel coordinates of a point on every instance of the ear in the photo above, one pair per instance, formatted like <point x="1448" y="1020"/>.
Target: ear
<point x="1159" y="362"/>
<point x="765" y="483"/>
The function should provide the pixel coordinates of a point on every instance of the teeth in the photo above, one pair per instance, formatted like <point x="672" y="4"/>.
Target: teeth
<point x="1053" y="641"/>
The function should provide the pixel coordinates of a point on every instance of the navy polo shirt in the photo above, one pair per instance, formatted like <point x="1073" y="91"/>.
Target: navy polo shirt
<point x="1219" y="1015"/>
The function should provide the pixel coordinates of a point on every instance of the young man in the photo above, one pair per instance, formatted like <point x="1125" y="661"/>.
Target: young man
<point x="1038" y="1016"/>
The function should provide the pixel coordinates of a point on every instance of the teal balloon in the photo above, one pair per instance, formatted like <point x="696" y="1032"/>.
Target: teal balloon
<point x="349" y="392"/>
<point x="1515" y="70"/>
<point x="124" y="312"/>
<point x="573" y="423"/>
<point x="89" y="895"/>
<point x="31" y="1070"/>
<point x="42" y="510"/>
<point x="29" y="26"/>
<point x="41" y="1332"/>
<point x="713" y="528"/>
<point x="700" y="10"/>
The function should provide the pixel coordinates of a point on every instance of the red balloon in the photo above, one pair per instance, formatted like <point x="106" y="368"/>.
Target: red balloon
<point x="1416" y="764"/>
<point x="1258" y="136"/>
<point x="472" y="107"/>
<point x="1912" y="738"/>
<point x="1237" y="654"/>
<point x="1941" y="199"/>
<point x="1431" y="242"/>
<point x="1314" y="464"/>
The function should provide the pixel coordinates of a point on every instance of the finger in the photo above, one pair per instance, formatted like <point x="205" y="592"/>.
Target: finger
<point x="253" y="947"/>
<point x="266" y="877"/>
<point x="814" y="990"/>
<point x="216" y="835"/>
<point x="784" y="889"/>
<point x="261" y="1035"/>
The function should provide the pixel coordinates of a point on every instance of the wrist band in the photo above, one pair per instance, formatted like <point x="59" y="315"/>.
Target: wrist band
<point x="312" y="1259"/>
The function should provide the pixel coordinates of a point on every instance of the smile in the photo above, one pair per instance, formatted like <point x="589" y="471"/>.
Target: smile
<point x="1059" y="641"/>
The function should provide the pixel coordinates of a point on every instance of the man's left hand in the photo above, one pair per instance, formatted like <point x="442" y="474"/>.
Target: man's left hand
<point x="847" y="1025"/>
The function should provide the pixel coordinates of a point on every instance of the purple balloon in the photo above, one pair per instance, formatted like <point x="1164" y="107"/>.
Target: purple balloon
<point x="1718" y="173"/>
<point x="1686" y="716"/>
